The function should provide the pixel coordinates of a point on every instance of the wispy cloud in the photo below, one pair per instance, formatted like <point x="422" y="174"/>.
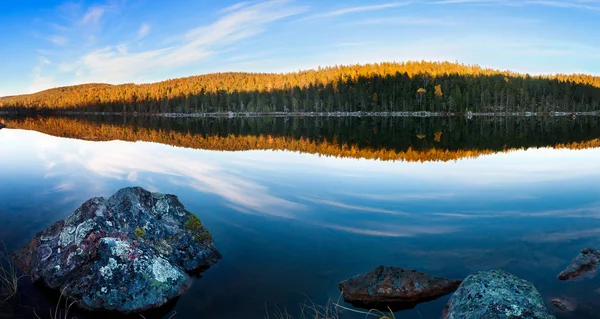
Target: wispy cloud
<point x="143" y="31"/>
<point x="100" y="44"/>
<point x="93" y="15"/>
<point x="58" y="40"/>
<point x="572" y="4"/>
<point x="471" y="1"/>
<point x="112" y="64"/>
<point x="357" y="9"/>
<point x="234" y="7"/>
<point x="366" y="8"/>
<point x="577" y="4"/>
<point x="60" y="27"/>
<point x="41" y="82"/>
<point x="406" y="21"/>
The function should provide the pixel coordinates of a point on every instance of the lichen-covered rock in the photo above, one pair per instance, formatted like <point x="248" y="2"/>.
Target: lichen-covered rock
<point x="394" y="287"/>
<point x="586" y="261"/>
<point x="496" y="294"/>
<point x="129" y="253"/>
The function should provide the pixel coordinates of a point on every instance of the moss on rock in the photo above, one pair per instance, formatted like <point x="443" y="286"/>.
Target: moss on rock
<point x="194" y="225"/>
<point x="140" y="232"/>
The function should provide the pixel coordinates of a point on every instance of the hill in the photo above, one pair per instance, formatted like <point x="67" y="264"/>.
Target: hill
<point x="385" y="87"/>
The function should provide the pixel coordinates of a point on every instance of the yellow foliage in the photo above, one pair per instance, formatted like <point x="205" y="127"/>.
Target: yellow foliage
<point x="81" y="129"/>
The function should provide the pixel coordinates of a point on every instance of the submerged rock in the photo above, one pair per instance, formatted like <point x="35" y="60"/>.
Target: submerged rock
<point x="394" y="287"/>
<point x="495" y="294"/>
<point x="129" y="253"/>
<point x="586" y="261"/>
<point x="563" y="305"/>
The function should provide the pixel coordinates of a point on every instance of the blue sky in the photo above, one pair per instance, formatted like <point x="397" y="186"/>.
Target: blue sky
<point x="51" y="43"/>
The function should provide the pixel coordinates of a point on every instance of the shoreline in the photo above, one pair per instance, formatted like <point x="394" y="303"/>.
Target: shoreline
<point x="310" y="114"/>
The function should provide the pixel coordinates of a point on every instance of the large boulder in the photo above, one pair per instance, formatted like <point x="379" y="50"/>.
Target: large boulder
<point x="496" y="294"/>
<point x="132" y="252"/>
<point x="586" y="261"/>
<point x="395" y="288"/>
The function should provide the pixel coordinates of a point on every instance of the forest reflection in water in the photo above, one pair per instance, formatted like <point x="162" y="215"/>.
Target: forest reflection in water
<point x="385" y="138"/>
<point x="323" y="219"/>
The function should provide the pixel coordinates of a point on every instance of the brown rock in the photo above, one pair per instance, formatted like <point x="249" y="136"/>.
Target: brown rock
<point x="586" y="261"/>
<point x="394" y="287"/>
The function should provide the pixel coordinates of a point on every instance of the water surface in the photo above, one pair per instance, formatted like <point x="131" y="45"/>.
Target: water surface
<point x="292" y="225"/>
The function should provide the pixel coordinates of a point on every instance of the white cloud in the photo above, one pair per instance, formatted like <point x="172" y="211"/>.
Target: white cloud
<point x="406" y="21"/>
<point x="568" y="4"/>
<point x="93" y="15"/>
<point x="577" y="4"/>
<point x="114" y="65"/>
<point x="143" y="31"/>
<point x="222" y="41"/>
<point x="58" y="40"/>
<point x="41" y="82"/>
<point x="235" y="6"/>
<point x="350" y="10"/>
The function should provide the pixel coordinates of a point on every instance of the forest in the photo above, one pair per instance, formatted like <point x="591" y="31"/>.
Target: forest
<point x="440" y="87"/>
<point x="383" y="138"/>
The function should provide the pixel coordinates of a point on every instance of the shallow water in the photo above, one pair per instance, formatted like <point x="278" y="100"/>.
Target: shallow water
<point x="290" y="226"/>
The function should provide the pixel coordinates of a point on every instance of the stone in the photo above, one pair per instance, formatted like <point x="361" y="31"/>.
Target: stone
<point x="585" y="262"/>
<point x="563" y="305"/>
<point x="395" y="288"/>
<point x="130" y="253"/>
<point x="496" y="294"/>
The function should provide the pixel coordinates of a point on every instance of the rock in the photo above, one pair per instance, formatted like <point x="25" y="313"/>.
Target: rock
<point x="132" y="252"/>
<point x="394" y="287"/>
<point x="586" y="261"/>
<point x="496" y="294"/>
<point x="2" y="125"/>
<point x="563" y="305"/>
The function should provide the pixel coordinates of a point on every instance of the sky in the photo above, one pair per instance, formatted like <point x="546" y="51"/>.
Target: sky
<point x="49" y="43"/>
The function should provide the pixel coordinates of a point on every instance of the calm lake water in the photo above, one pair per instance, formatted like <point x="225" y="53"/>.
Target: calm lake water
<point x="291" y="225"/>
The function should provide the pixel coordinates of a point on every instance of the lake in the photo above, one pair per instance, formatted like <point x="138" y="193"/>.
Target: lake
<point x="296" y="205"/>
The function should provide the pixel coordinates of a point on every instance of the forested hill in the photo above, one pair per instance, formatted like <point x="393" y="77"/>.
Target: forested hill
<point x="384" y="87"/>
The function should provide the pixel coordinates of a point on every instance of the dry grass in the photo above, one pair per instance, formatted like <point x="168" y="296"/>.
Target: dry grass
<point x="308" y="311"/>
<point x="331" y="310"/>
<point x="9" y="276"/>
<point x="58" y="314"/>
<point x="170" y="317"/>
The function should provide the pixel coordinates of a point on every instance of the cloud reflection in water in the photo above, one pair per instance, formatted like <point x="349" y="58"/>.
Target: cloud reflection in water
<point x="383" y="199"/>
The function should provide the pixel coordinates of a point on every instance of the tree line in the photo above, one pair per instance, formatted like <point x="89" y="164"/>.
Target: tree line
<point x="385" y="87"/>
